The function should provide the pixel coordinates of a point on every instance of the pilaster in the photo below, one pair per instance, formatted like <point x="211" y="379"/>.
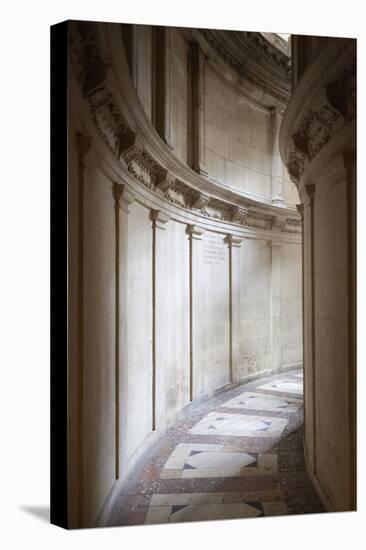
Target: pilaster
<point x="234" y="243"/>
<point x="195" y="253"/>
<point x="159" y="223"/>
<point x="123" y="197"/>
<point x="276" y="306"/>
<point x="307" y="196"/>
<point x="277" y="167"/>
<point x="197" y="74"/>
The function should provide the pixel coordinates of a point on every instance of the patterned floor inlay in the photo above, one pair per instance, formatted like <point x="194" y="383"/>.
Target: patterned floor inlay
<point x="283" y="386"/>
<point x="261" y="402"/>
<point x="194" y="461"/>
<point x="172" y="508"/>
<point x="237" y="455"/>
<point x="239" y="425"/>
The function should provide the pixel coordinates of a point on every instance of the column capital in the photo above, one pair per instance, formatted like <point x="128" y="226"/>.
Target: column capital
<point x="194" y="232"/>
<point x="233" y="240"/>
<point x="123" y="196"/>
<point x="159" y="219"/>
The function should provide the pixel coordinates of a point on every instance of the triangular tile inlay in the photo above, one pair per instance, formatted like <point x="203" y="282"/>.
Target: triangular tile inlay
<point x="257" y="505"/>
<point x="188" y="467"/>
<point x="177" y="507"/>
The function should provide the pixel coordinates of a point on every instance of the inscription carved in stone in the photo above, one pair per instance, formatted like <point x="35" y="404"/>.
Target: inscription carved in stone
<point x="214" y="249"/>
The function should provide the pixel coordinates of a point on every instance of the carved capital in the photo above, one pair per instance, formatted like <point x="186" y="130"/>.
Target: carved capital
<point x="194" y="232"/>
<point x="123" y="196"/>
<point x="233" y="241"/>
<point x="159" y="219"/>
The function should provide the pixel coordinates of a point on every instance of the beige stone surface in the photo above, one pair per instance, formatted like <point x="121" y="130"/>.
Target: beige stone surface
<point x="138" y="370"/>
<point x="168" y="319"/>
<point x="98" y="418"/>
<point x="212" y="327"/>
<point x="172" y="317"/>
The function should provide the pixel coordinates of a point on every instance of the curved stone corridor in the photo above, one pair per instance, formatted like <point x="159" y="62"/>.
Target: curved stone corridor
<point x="236" y="455"/>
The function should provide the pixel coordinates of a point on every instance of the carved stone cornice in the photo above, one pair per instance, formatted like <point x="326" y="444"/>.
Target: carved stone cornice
<point x="128" y="135"/>
<point x="321" y="106"/>
<point x="166" y="182"/>
<point x="239" y="214"/>
<point x="280" y="222"/>
<point x="200" y="201"/>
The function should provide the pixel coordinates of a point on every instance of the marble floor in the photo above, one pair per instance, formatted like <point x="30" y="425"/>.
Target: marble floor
<point x="236" y="455"/>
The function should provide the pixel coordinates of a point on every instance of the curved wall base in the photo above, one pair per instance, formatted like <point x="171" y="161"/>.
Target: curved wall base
<point x="328" y="506"/>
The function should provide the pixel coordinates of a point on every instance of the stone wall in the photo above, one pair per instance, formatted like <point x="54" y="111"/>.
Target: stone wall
<point x="181" y="288"/>
<point x="318" y="144"/>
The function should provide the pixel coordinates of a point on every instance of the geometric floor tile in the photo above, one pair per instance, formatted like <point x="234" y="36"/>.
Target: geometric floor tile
<point x="283" y="386"/>
<point x="217" y="478"/>
<point x="258" y="401"/>
<point x="191" y="461"/>
<point x="226" y="424"/>
<point x="173" y="508"/>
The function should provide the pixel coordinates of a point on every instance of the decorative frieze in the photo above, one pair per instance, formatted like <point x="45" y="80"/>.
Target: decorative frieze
<point x="280" y="223"/>
<point x="166" y="182"/>
<point x="315" y="131"/>
<point x="259" y="220"/>
<point x="201" y="201"/>
<point x="320" y="108"/>
<point x="239" y="214"/>
<point x="128" y="142"/>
